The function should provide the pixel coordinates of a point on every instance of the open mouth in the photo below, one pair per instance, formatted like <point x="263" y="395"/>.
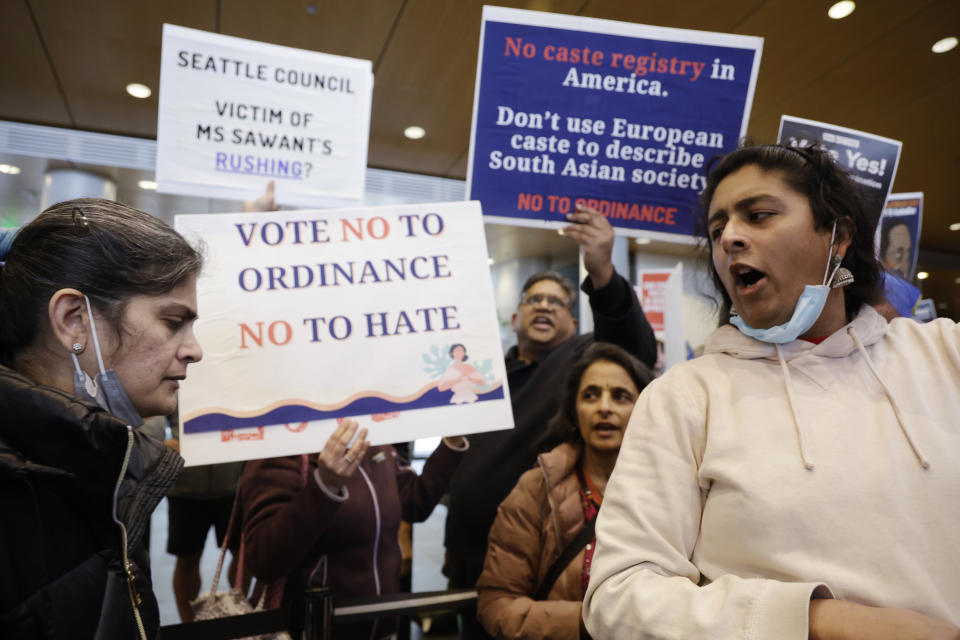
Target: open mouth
<point x="746" y="278"/>
<point x="606" y="427"/>
<point x="542" y="322"/>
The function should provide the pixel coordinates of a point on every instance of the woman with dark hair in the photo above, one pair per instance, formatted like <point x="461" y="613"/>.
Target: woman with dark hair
<point x="97" y="304"/>
<point x="460" y="377"/>
<point x="538" y="559"/>
<point x="800" y="478"/>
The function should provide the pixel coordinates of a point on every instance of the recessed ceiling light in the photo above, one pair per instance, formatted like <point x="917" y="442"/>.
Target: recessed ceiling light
<point x="955" y="226"/>
<point x="944" y="45"/>
<point x="138" y="90"/>
<point x="10" y="169"/>
<point x="147" y="184"/>
<point x="642" y="240"/>
<point x="414" y="132"/>
<point x="841" y="9"/>
<point x="490" y="262"/>
<point x="922" y="275"/>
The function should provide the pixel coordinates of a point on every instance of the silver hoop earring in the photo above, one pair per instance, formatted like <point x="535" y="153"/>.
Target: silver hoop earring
<point x="842" y="277"/>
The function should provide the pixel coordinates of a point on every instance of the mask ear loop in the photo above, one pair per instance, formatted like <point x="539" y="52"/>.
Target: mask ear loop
<point x="826" y="272"/>
<point x="93" y="330"/>
<point x="90" y="382"/>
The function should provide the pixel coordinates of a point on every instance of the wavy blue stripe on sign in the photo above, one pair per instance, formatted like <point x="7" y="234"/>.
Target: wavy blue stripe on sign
<point x="300" y="413"/>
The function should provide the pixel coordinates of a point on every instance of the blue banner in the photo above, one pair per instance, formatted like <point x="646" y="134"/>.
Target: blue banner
<point x="623" y="118"/>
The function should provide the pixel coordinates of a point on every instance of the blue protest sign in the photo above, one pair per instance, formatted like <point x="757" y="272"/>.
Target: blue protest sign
<point x="617" y="116"/>
<point x="871" y="160"/>
<point x="898" y="234"/>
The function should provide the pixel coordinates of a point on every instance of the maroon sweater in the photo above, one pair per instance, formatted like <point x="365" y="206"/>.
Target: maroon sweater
<point x="299" y="531"/>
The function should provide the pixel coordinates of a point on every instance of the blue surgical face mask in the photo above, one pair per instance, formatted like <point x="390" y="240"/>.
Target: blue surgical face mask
<point x="808" y="308"/>
<point x="105" y="389"/>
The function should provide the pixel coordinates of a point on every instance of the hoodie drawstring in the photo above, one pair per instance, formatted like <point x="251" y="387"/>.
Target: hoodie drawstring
<point x="801" y="442"/>
<point x="896" y="409"/>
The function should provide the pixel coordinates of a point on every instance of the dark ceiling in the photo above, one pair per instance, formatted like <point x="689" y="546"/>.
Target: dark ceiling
<point x="66" y="63"/>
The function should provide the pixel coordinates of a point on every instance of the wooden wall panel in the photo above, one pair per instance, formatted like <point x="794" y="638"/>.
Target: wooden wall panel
<point x="100" y="47"/>
<point x="28" y="90"/>
<point x="931" y="161"/>
<point x="354" y="28"/>
<point x="702" y="15"/>
<point x="802" y="46"/>
<point x="427" y="78"/>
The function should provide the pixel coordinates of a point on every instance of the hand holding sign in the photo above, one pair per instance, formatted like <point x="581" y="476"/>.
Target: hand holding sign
<point x="264" y="202"/>
<point x="337" y="462"/>
<point x="595" y="235"/>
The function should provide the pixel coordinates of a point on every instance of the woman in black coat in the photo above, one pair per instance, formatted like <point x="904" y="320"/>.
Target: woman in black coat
<point x="97" y="304"/>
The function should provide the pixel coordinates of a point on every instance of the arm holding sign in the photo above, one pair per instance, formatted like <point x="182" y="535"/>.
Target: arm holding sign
<point x="326" y="522"/>
<point x="264" y="202"/>
<point x="284" y="514"/>
<point x="617" y="315"/>
<point x="419" y="494"/>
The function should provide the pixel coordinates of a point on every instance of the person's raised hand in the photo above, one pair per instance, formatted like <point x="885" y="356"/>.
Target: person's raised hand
<point x="264" y="203"/>
<point x="339" y="461"/>
<point x="594" y="234"/>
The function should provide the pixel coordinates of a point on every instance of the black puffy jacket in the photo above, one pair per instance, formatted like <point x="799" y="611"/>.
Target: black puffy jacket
<point x="77" y="487"/>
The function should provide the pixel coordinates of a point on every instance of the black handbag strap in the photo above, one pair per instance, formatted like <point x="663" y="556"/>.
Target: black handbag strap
<point x="581" y="540"/>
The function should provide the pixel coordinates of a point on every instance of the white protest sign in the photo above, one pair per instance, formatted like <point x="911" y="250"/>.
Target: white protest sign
<point x="385" y="314"/>
<point x="237" y="113"/>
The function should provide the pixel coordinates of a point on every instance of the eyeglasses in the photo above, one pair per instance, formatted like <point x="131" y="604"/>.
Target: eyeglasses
<point x="536" y="299"/>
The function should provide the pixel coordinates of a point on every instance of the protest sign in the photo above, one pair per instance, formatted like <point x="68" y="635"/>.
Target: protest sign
<point x="384" y="314"/>
<point x="237" y="113"/>
<point x="652" y="292"/>
<point x="870" y="160"/>
<point x="621" y="117"/>
<point x="898" y="234"/>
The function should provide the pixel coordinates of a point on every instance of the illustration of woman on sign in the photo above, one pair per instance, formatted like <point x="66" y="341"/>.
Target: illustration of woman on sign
<point x="460" y="377"/>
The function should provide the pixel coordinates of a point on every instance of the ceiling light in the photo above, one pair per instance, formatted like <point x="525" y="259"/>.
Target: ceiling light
<point x="138" y="90"/>
<point x="10" y="169"/>
<point x="490" y="262"/>
<point x="642" y="240"/>
<point x="841" y="9"/>
<point x="944" y="45"/>
<point x="414" y="132"/>
<point x="955" y="226"/>
<point x="150" y="185"/>
<point x="922" y="275"/>
<point x="956" y="280"/>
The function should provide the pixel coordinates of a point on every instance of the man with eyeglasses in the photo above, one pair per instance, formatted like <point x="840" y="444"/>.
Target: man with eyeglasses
<point x="547" y="347"/>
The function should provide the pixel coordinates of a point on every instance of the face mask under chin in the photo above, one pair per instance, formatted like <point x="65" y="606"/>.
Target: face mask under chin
<point x="104" y="389"/>
<point x="807" y="310"/>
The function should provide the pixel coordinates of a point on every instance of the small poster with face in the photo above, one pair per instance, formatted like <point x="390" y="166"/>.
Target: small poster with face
<point x="871" y="160"/>
<point x="385" y="315"/>
<point x="898" y="234"/>
<point x="235" y="114"/>
<point x="619" y="117"/>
